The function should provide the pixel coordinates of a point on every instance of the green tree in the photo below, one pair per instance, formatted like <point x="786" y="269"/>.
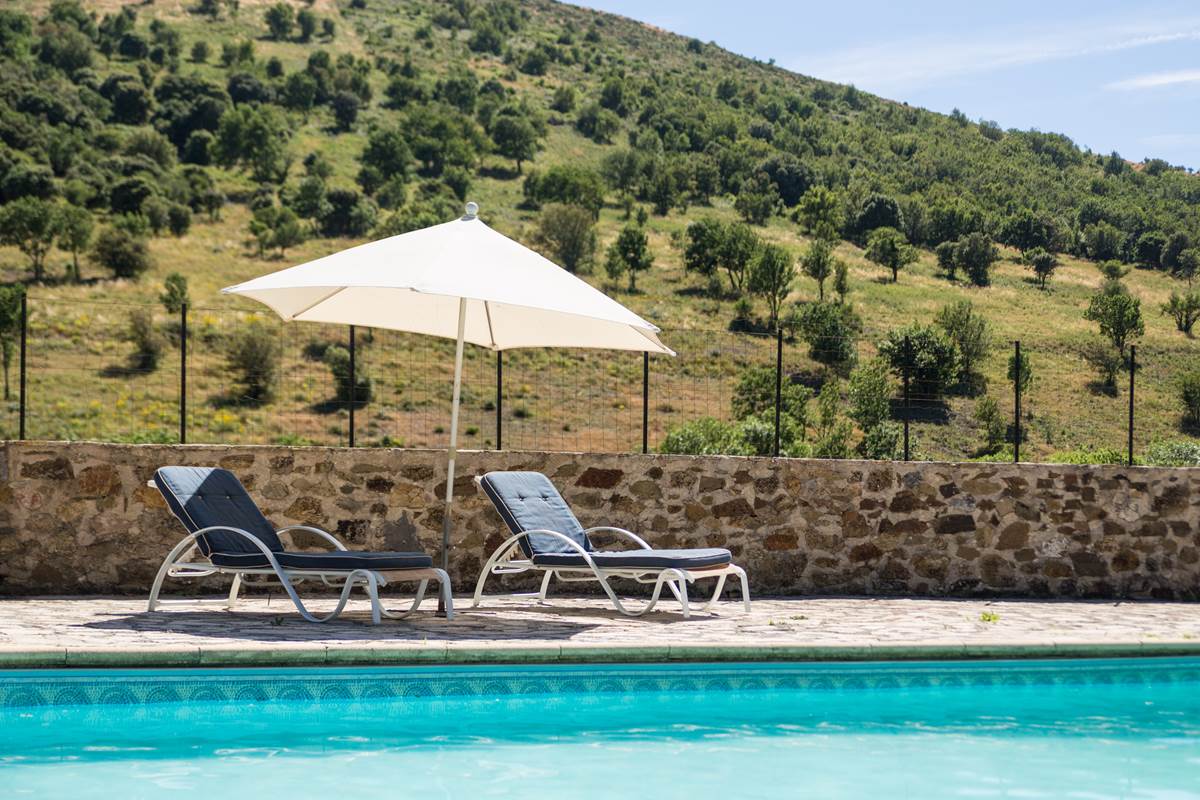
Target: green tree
<point x="832" y="432"/>
<point x="252" y="357"/>
<point x="122" y="251"/>
<point x="1020" y="373"/>
<point x="1184" y="309"/>
<point x="771" y="274"/>
<point x="975" y="254"/>
<point x="757" y="200"/>
<point x="276" y="226"/>
<point x="280" y="19"/>
<point x="1043" y="263"/>
<point x="1102" y="241"/>
<point x="888" y="248"/>
<point x="358" y="389"/>
<point x="870" y="391"/>
<point x="830" y="330"/>
<point x="30" y="224"/>
<point x="629" y="254"/>
<point x="307" y="22"/>
<point x="926" y="353"/>
<point x="253" y="137"/>
<point x="702" y="246"/>
<point x="10" y="328"/>
<point x="345" y="107"/>
<point x="1189" y="393"/>
<point x="75" y="226"/>
<point x="754" y="395"/>
<point x="739" y="244"/>
<point x="175" y="293"/>
<point x="841" y="280"/>
<point x="569" y="233"/>
<point x="970" y="333"/>
<point x="1119" y="316"/>
<point x="819" y="263"/>
<point x="991" y="420"/>
<point x="516" y="138"/>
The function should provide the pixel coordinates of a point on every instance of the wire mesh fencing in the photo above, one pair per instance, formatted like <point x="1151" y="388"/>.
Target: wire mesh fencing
<point x="142" y="373"/>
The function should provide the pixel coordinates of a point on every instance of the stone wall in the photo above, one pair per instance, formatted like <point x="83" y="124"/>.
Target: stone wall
<point x="78" y="518"/>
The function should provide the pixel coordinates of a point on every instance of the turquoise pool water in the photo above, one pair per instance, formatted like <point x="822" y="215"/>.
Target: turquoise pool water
<point x="1068" y="729"/>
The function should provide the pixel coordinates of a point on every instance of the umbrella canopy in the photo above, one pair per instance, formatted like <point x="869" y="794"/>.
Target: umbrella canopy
<point x="459" y="280"/>
<point x="413" y="282"/>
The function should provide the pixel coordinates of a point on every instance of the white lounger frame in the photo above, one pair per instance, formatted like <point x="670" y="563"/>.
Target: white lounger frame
<point x="179" y="563"/>
<point x="508" y="559"/>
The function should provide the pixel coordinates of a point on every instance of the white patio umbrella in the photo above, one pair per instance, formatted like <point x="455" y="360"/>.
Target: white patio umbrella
<point x="459" y="280"/>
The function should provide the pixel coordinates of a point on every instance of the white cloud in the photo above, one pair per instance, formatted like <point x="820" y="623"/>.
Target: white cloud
<point x="1156" y="80"/>
<point x="918" y="62"/>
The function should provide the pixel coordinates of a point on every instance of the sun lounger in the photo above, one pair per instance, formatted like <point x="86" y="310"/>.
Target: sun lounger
<point x="228" y="535"/>
<point x="547" y="538"/>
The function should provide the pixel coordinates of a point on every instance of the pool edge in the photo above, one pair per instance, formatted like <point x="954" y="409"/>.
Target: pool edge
<point x="453" y="653"/>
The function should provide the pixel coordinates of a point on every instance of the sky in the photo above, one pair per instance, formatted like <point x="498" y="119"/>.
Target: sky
<point x="1121" y="76"/>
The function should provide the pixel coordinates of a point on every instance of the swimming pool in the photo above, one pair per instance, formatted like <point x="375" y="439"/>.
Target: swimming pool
<point x="1106" y="728"/>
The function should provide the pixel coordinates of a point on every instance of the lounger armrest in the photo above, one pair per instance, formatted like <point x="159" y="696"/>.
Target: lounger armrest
<point x="326" y="535"/>
<point x="639" y="541"/>
<point x="567" y="540"/>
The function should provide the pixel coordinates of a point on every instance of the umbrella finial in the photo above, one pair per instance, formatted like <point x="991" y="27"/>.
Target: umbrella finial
<point x="472" y="210"/>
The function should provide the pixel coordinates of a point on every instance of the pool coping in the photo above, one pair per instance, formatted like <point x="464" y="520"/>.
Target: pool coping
<point x="297" y="655"/>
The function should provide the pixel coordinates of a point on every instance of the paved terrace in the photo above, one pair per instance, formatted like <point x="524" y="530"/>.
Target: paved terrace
<point x="102" y="631"/>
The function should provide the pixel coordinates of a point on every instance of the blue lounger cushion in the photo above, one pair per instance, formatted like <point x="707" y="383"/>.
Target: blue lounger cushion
<point x="336" y="561"/>
<point x="528" y="501"/>
<point x="699" y="558"/>
<point x="201" y="497"/>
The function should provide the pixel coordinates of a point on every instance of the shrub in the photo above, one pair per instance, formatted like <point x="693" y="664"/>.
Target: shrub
<point x="1189" y="393"/>
<point x="754" y="395"/>
<point x="337" y="358"/>
<point x="819" y="263"/>
<point x="704" y="436"/>
<point x="929" y="356"/>
<point x="757" y="200"/>
<point x="179" y="219"/>
<point x="1184" y="309"/>
<point x="975" y="254"/>
<point x="830" y="330"/>
<point x="1020" y="372"/>
<point x="947" y="258"/>
<point x="10" y="329"/>
<point x="870" y="391"/>
<point x="970" y="334"/>
<point x="628" y="255"/>
<point x="253" y="358"/>
<point x="1043" y="263"/>
<point x="147" y="341"/>
<point x="888" y="248"/>
<point x="1118" y="314"/>
<point x="1173" y="454"/>
<point x="881" y="442"/>
<point x="1105" y="359"/>
<point x="568" y="232"/>
<point x="566" y="184"/>
<point x="833" y="433"/>
<point x="175" y="293"/>
<point x="124" y="253"/>
<point x="995" y="427"/>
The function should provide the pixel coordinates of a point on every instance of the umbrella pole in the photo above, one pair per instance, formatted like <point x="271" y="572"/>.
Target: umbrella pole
<point x="458" y="358"/>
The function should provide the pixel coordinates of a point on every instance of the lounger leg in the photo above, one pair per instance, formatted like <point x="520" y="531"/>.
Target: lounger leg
<point x="683" y="595"/>
<point x="716" y="595"/>
<point x="446" y="592"/>
<point x="168" y="562"/>
<point x="499" y="553"/>
<point x="545" y="586"/>
<point x="234" y="588"/>
<point x="741" y="573"/>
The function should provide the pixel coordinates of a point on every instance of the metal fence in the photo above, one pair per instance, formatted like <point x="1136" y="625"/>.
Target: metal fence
<point x="80" y="375"/>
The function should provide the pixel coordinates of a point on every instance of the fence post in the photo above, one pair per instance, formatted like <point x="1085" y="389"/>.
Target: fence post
<point x="499" y="399"/>
<point x="905" y="373"/>
<point x="1132" y="369"/>
<point x="1017" y="402"/>
<point x="24" y="335"/>
<point x="183" y="341"/>
<point x="778" y="384"/>
<point x="353" y="385"/>
<point x="645" y="402"/>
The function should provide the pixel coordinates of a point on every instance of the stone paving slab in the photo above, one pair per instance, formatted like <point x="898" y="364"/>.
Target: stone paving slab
<point x="108" y="631"/>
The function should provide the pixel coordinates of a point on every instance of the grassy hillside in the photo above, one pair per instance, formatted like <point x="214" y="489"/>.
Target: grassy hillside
<point x="699" y="123"/>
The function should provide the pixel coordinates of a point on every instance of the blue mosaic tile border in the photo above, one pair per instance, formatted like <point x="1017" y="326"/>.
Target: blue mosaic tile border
<point x="121" y="687"/>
